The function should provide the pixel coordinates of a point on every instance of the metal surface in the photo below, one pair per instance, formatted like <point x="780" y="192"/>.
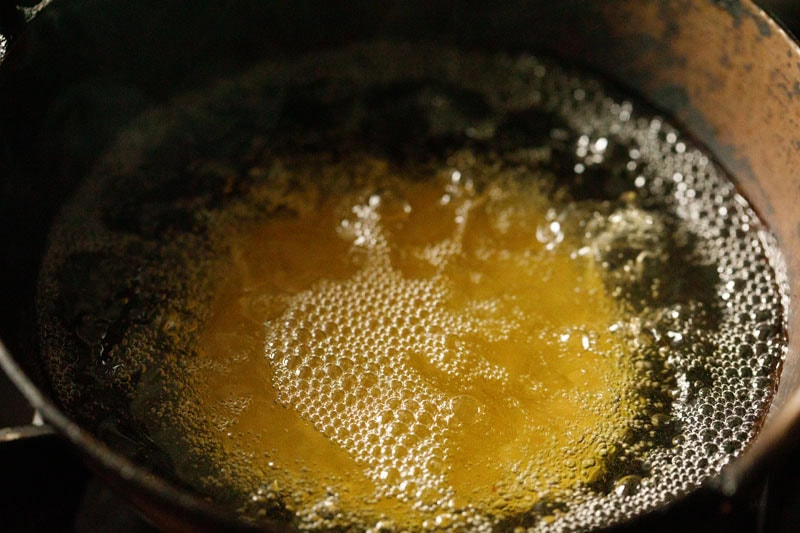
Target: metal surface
<point x="12" y="20"/>
<point x="25" y="432"/>
<point x="169" y="507"/>
<point x="729" y="73"/>
<point x="724" y="69"/>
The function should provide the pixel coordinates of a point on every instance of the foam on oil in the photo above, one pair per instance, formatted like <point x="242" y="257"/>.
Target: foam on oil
<point x="462" y="363"/>
<point x="408" y="287"/>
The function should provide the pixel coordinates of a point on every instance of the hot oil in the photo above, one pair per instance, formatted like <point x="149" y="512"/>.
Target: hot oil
<point x="469" y="369"/>
<point x="404" y="287"/>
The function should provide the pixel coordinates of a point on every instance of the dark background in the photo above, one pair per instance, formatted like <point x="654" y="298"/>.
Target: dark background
<point x="48" y="488"/>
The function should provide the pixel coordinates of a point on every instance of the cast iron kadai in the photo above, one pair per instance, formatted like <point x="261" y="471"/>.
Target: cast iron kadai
<point x="725" y="70"/>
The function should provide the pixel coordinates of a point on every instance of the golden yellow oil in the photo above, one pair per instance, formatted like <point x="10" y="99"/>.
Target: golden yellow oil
<point x="404" y="350"/>
<point x="530" y="301"/>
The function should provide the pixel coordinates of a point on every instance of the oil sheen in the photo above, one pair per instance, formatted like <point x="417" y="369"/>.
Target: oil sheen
<point x="406" y="287"/>
<point x="451" y="349"/>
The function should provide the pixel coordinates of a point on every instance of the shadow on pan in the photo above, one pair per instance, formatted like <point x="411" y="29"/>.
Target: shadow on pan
<point x="82" y="70"/>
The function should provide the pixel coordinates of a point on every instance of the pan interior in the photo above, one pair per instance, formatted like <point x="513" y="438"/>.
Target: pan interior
<point x="188" y="286"/>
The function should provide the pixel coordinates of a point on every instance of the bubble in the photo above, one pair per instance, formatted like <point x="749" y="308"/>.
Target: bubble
<point x="378" y="356"/>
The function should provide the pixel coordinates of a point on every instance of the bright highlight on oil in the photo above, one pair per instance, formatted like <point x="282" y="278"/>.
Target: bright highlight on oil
<point x="434" y="289"/>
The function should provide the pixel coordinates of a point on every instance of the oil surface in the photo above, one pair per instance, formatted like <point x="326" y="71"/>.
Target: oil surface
<point x="431" y="331"/>
<point x="408" y="287"/>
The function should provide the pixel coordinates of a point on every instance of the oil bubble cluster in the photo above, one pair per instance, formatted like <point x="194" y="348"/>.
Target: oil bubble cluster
<point x="405" y="287"/>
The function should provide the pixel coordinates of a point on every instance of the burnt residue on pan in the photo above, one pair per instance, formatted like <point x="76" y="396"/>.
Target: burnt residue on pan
<point x="122" y="311"/>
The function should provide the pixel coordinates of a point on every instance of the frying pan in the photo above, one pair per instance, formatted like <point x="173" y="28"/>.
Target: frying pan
<point x="76" y="73"/>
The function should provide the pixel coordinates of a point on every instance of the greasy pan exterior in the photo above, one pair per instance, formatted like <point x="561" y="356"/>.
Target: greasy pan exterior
<point x="722" y="68"/>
